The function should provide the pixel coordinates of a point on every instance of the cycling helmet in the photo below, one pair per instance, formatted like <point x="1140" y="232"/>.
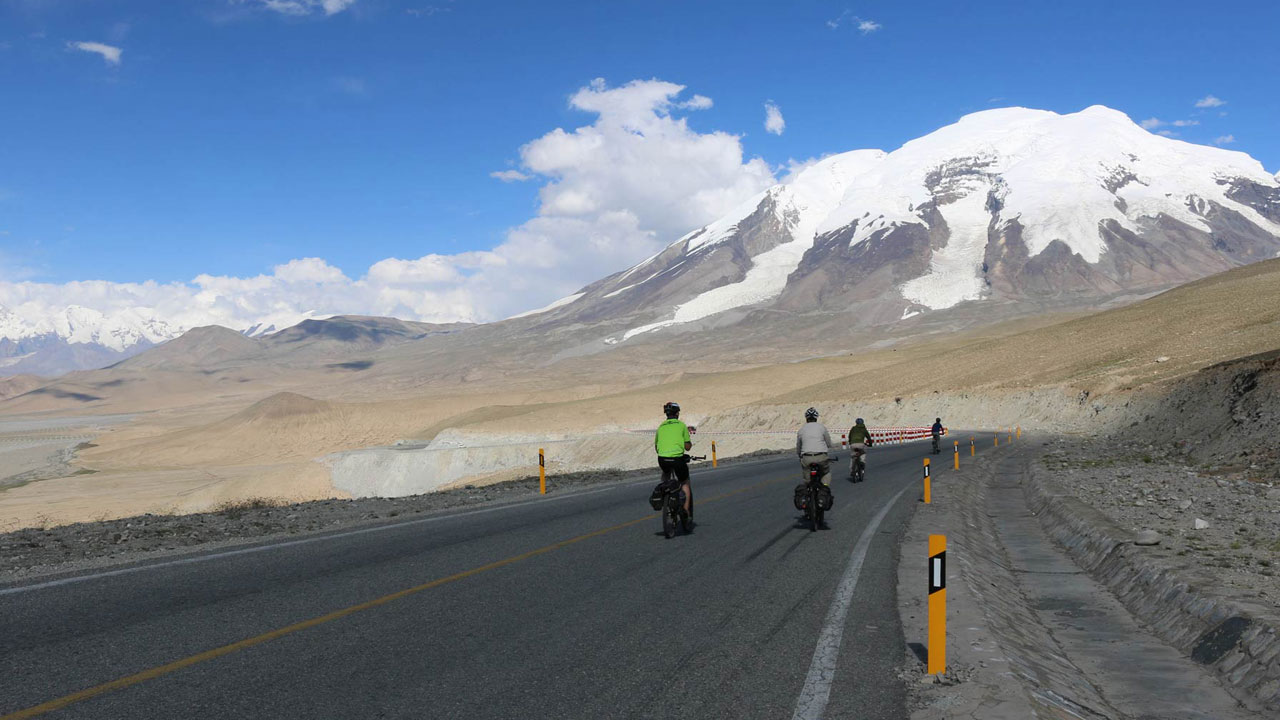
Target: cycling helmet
<point x="859" y="421"/>
<point x="811" y="414"/>
<point x="671" y="409"/>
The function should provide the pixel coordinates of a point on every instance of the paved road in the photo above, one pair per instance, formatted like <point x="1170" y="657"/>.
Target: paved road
<point x="567" y="607"/>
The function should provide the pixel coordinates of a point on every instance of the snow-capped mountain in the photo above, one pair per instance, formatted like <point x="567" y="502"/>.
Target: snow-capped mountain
<point x="1016" y="209"/>
<point x="1010" y="205"/>
<point x="76" y="338"/>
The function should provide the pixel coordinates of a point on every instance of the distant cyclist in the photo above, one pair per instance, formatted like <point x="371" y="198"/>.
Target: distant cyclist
<point x="859" y="441"/>
<point x="813" y="442"/>
<point x="672" y="442"/>
<point x="937" y="434"/>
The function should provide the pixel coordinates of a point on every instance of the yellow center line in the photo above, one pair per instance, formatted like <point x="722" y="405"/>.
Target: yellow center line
<point x="161" y="670"/>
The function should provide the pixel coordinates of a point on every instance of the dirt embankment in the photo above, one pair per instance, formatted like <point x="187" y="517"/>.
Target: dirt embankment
<point x="1225" y="417"/>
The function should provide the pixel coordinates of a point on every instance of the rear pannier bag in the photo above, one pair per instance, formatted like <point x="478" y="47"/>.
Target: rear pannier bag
<point x="655" y="498"/>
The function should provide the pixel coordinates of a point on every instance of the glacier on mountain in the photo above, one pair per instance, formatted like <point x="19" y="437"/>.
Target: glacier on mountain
<point x="1057" y="178"/>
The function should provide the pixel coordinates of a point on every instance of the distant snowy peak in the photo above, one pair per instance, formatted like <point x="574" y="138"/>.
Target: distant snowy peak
<point x="1058" y="175"/>
<point x="74" y="324"/>
<point x="1012" y="203"/>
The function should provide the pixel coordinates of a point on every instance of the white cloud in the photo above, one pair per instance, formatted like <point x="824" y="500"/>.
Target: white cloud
<point x="1153" y="123"/>
<point x="863" y="25"/>
<point x="638" y="158"/>
<point x="773" y="120"/>
<point x="616" y="190"/>
<point x="510" y="175"/>
<point x="301" y="7"/>
<point x="697" y="102"/>
<point x="1224" y="140"/>
<point x="109" y="53"/>
<point x="1167" y="133"/>
<point x="1209" y="101"/>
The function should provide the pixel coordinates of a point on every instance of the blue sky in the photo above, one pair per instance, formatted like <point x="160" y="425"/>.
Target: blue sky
<point x="231" y="137"/>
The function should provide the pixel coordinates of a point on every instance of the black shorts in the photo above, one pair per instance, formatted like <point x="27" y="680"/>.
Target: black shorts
<point x="679" y="466"/>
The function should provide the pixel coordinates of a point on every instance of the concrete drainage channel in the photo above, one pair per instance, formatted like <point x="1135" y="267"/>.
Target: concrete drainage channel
<point x="1134" y="673"/>
<point x="1235" y="639"/>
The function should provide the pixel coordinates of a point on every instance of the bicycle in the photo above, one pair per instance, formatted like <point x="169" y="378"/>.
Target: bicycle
<point x="858" y="471"/>
<point x="668" y="498"/>
<point x="814" y="498"/>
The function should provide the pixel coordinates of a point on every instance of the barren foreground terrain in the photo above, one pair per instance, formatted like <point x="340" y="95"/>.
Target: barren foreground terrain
<point x="224" y="424"/>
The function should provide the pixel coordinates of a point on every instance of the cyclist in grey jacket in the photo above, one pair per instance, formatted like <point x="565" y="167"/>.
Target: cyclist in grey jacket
<point x="813" y="443"/>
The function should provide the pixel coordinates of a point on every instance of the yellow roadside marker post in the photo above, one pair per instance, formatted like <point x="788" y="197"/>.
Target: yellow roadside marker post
<point x="928" y="494"/>
<point x="996" y="440"/>
<point x="1019" y="432"/>
<point x="542" y="471"/>
<point x="1010" y="439"/>
<point x="937" y="604"/>
<point x="714" y="462"/>
<point x="972" y="450"/>
<point x="957" y="444"/>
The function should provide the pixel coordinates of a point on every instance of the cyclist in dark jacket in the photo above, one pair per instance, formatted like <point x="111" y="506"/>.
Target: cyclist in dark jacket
<point x="859" y="441"/>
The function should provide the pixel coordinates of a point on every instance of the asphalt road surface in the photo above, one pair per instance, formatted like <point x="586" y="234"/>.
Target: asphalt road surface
<point x="569" y="606"/>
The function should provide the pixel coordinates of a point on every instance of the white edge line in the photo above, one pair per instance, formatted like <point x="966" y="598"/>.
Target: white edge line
<point x="816" y="692"/>
<point x="348" y="533"/>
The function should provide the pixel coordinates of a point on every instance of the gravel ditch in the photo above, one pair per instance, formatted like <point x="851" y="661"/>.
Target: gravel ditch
<point x="35" y="552"/>
<point x="1149" y="487"/>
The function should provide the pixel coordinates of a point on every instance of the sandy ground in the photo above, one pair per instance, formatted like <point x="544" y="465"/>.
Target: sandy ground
<point x="107" y="495"/>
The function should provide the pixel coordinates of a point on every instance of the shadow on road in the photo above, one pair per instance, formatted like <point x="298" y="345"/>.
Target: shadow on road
<point x="919" y="650"/>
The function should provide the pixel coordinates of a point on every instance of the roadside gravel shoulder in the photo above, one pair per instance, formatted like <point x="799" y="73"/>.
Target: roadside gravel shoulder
<point x="983" y="678"/>
<point x="1207" y="589"/>
<point x="38" y="552"/>
<point x="1219" y="522"/>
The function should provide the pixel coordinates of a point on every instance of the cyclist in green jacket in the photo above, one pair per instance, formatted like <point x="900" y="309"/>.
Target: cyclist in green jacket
<point x="859" y="441"/>
<point x="672" y="442"/>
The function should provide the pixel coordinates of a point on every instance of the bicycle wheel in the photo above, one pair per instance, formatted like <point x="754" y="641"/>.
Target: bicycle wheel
<point x="813" y="510"/>
<point x="669" y="517"/>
